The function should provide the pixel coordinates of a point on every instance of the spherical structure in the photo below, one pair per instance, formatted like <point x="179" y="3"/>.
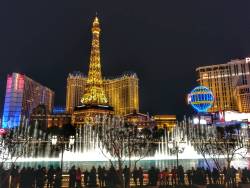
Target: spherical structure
<point x="201" y="98"/>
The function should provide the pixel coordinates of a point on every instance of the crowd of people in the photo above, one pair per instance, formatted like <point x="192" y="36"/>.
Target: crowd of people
<point x="41" y="177"/>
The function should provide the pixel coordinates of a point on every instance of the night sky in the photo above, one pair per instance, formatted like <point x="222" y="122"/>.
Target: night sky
<point x="162" y="41"/>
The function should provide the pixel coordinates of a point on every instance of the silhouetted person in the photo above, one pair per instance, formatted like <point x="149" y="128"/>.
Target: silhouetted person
<point x="152" y="176"/>
<point x="58" y="178"/>
<point x="174" y="176"/>
<point x="189" y="176"/>
<point x="140" y="176"/>
<point x="4" y="175"/>
<point x="15" y="177"/>
<point x="40" y="177"/>
<point x="126" y="174"/>
<point x="100" y="172"/>
<point x="72" y="177"/>
<point x="22" y="178"/>
<point x="209" y="175"/>
<point x="232" y="176"/>
<point x="27" y="178"/>
<point x="50" y="176"/>
<point x="78" y="178"/>
<point x="86" y="177"/>
<point x="215" y="176"/>
<point x="92" y="176"/>
<point x="135" y="176"/>
<point x="180" y="172"/>
<point x="226" y="175"/>
<point x="105" y="174"/>
<point x="244" y="175"/>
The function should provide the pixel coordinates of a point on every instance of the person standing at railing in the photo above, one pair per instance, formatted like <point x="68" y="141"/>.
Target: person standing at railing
<point x="15" y="177"/>
<point x="72" y="177"/>
<point x="232" y="174"/>
<point x="50" y="176"/>
<point x="135" y="176"/>
<point x="189" y="176"/>
<point x="40" y="174"/>
<point x="140" y="176"/>
<point x="174" y="176"/>
<point x="100" y="172"/>
<point x="92" y="177"/>
<point x="180" y="172"/>
<point x="78" y="178"/>
<point x="216" y="176"/>
<point x="4" y="177"/>
<point x="126" y="175"/>
<point x="58" y="178"/>
<point x="239" y="171"/>
<point x="209" y="175"/>
<point x="86" y="178"/>
<point x="244" y="178"/>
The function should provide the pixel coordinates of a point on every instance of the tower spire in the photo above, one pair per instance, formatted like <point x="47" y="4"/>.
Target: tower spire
<point x="94" y="92"/>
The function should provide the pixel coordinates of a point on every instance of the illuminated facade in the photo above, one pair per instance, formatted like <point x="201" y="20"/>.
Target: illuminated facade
<point x="165" y="121"/>
<point x="230" y="84"/>
<point x="122" y="92"/>
<point x="44" y="119"/>
<point x="76" y="83"/>
<point x="140" y="120"/>
<point x="22" y="96"/>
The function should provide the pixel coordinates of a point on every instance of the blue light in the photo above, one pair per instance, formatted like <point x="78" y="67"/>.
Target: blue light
<point x="58" y="110"/>
<point x="201" y="98"/>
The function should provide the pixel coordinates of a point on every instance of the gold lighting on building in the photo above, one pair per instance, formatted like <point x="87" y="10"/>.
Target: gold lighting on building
<point x="165" y="121"/>
<point x="122" y="92"/>
<point x="94" y="92"/>
<point x="230" y="84"/>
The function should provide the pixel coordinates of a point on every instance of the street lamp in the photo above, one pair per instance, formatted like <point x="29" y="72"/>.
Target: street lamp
<point x="176" y="147"/>
<point x="63" y="144"/>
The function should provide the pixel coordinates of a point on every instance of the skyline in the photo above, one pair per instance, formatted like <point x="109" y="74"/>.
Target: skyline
<point x="65" y="46"/>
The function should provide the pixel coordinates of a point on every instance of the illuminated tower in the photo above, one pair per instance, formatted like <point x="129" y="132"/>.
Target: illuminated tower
<point x="94" y="92"/>
<point x="94" y="100"/>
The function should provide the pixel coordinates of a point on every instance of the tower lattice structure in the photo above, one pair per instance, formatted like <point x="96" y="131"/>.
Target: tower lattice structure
<point x="94" y="92"/>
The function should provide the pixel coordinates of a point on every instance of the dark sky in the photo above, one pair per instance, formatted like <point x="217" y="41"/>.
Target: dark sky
<point x="163" y="41"/>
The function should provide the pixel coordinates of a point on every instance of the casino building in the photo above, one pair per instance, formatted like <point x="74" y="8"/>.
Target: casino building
<point x="122" y="92"/>
<point x="22" y="95"/>
<point x="230" y="84"/>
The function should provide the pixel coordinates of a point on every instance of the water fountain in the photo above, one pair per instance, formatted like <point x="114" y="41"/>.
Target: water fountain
<point x="35" y="145"/>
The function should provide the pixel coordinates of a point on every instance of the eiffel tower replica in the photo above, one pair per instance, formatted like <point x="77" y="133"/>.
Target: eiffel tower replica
<point x="94" y="99"/>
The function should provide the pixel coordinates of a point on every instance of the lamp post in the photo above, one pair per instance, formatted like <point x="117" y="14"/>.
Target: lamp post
<point x="176" y="148"/>
<point x="63" y="144"/>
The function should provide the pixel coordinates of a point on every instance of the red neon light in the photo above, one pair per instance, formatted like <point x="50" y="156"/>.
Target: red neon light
<point x="2" y="132"/>
<point x="9" y="82"/>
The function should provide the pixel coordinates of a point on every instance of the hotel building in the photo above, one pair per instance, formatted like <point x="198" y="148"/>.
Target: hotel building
<point x="122" y="92"/>
<point x="230" y="84"/>
<point x="22" y="95"/>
